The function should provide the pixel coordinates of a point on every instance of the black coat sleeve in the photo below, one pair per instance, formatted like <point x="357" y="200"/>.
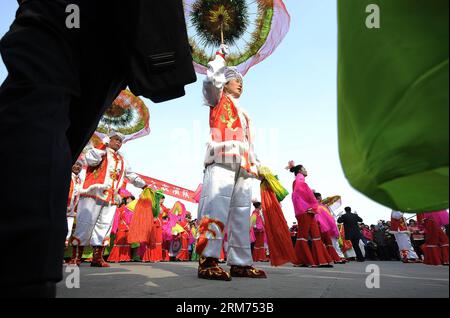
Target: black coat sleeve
<point x="160" y="56"/>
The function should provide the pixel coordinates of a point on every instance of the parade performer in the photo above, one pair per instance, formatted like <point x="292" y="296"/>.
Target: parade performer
<point x="194" y="256"/>
<point x="436" y="241"/>
<point x="417" y="237"/>
<point x="186" y="239"/>
<point x="165" y="243"/>
<point x="344" y="245"/>
<point x="328" y="230"/>
<point x="258" y="233"/>
<point x="121" y="251"/>
<point x="230" y="165"/>
<point x="154" y="253"/>
<point x="306" y="208"/>
<point x="105" y="175"/>
<point x="74" y="196"/>
<point x="403" y="237"/>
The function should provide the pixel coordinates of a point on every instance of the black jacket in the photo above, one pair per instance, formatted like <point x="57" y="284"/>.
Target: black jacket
<point x="351" y="226"/>
<point x="160" y="55"/>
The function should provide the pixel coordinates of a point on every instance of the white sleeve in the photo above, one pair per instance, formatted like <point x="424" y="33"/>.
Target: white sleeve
<point x="215" y="81"/>
<point x="132" y="177"/>
<point x="94" y="157"/>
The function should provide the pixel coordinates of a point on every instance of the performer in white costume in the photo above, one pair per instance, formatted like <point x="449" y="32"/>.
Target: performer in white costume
<point x="230" y="165"/>
<point x="99" y="198"/>
<point x="74" y="196"/>
<point x="403" y="237"/>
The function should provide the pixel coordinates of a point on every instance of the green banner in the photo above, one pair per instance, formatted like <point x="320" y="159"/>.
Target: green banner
<point x="393" y="103"/>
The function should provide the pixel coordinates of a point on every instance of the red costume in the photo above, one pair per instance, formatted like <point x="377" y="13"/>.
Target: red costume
<point x="154" y="253"/>
<point x="326" y="231"/>
<point x="259" y="250"/>
<point x="121" y="250"/>
<point x="436" y="245"/>
<point x="185" y="237"/>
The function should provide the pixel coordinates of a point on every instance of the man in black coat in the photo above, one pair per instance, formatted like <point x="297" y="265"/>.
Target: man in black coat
<point x="352" y="231"/>
<point x="67" y="60"/>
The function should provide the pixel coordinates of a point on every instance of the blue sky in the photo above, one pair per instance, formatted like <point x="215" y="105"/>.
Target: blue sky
<point x="292" y="100"/>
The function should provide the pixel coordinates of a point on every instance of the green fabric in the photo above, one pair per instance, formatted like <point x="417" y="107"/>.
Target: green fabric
<point x="393" y="102"/>
<point x="194" y="256"/>
<point x="135" y="245"/>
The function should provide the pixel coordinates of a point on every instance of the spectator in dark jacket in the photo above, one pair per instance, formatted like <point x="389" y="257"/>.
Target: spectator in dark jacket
<point x="380" y="239"/>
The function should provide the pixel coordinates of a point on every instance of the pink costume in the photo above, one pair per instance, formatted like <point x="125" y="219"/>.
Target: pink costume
<point x="439" y="217"/>
<point x="326" y="221"/>
<point x="257" y="231"/>
<point x="303" y="199"/>
<point x="329" y="231"/>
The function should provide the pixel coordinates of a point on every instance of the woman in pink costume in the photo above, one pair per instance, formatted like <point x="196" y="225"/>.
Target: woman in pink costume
<point x="306" y="208"/>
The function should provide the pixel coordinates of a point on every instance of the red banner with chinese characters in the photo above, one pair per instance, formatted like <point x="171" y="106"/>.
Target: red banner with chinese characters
<point x="173" y="190"/>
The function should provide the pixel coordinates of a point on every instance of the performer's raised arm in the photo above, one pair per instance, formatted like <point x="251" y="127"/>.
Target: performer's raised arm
<point x="94" y="157"/>
<point x="215" y="77"/>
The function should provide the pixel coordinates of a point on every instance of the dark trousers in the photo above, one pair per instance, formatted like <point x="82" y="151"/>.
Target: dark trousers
<point x="60" y="81"/>
<point x="383" y="253"/>
<point x="417" y="247"/>
<point x="355" y="243"/>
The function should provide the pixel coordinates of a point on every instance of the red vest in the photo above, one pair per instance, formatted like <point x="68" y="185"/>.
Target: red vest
<point x="226" y="126"/>
<point x="97" y="176"/>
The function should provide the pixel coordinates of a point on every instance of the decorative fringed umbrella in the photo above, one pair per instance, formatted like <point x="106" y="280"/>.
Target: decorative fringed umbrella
<point x="176" y="215"/>
<point x="251" y="28"/>
<point x="333" y="203"/>
<point x="127" y="115"/>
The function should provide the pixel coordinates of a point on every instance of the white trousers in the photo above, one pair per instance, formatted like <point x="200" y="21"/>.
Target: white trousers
<point x="335" y="242"/>
<point x="404" y="244"/>
<point x="226" y="197"/>
<point x="94" y="222"/>
<point x="70" y="221"/>
<point x="351" y="252"/>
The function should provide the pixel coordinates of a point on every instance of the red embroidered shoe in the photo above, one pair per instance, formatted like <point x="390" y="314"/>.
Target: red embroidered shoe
<point x="77" y="254"/>
<point x="209" y="268"/>
<point x="247" y="271"/>
<point x="97" y="259"/>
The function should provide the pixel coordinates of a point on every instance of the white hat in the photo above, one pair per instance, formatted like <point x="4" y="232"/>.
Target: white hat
<point x="116" y="134"/>
<point x="231" y="73"/>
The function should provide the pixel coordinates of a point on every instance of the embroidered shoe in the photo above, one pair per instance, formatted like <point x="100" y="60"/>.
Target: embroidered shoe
<point x="247" y="271"/>
<point x="209" y="268"/>
<point x="97" y="260"/>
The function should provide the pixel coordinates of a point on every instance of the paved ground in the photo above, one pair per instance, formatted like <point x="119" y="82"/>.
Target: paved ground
<point x="178" y="280"/>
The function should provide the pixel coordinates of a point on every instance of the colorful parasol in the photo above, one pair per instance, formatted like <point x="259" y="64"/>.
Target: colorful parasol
<point x="252" y="29"/>
<point x="176" y="215"/>
<point x="333" y="203"/>
<point x="127" y="115"/>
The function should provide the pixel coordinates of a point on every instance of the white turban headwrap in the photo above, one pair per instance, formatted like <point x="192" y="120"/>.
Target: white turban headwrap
<point x="231" y="73"/>
<point x="116" y="134"/>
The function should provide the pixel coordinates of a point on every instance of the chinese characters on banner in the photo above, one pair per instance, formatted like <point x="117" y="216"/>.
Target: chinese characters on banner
<point x="173" y="190"/>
